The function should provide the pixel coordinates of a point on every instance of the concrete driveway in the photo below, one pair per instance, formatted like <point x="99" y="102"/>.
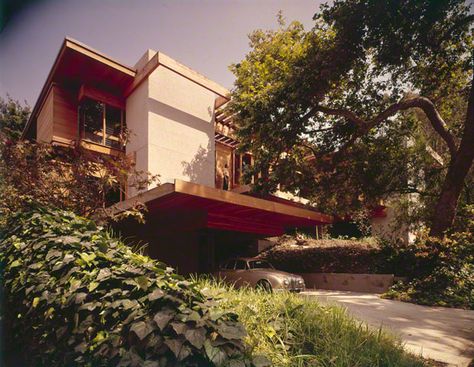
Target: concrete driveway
<point x="442" y="334"/>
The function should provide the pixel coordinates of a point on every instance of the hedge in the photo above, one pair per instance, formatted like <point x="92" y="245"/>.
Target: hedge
<point x="326" y="256"/>
<point x="75" y="295"/>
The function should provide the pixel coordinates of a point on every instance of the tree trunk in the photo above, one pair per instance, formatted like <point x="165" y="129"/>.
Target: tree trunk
<point x="459" y="166"/>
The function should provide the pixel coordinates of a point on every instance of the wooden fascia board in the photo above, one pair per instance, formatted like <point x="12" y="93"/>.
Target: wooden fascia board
<point x="249" y="201"/>
<point x="145" y="197"/>
<point x="96" y="55"/>
<point x="160" y="59"/>
<point x="229" y="197"/>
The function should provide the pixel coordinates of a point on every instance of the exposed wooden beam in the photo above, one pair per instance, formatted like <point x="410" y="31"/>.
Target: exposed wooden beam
<point x="101" y="96"/>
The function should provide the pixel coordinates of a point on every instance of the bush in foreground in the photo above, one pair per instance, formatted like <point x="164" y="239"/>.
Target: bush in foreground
<point x="295" y="331"/>
<point x="77" y="296"/>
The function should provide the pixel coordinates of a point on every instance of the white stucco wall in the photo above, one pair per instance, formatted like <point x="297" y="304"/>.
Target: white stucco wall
<point x="137" y="124"/>
<point x="172" y="122"/>
<point x="181" y="128"/>
<point x="389" y="228"/>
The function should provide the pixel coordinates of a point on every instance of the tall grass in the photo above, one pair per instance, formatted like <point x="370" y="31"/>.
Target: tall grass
<point x="294" y="331"/>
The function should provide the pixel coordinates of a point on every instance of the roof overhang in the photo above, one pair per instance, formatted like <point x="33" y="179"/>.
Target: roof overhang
<point x="219" y="209"/>
<point x="77" y="64"/>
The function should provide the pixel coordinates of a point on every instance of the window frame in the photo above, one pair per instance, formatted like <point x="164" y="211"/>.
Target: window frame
<point x="103" y="132"/>
<point x="238" y="172"/>
<point x="240" y="262"/>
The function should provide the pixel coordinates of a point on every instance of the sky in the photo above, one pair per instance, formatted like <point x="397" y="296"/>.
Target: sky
<point x="206" y="35"/>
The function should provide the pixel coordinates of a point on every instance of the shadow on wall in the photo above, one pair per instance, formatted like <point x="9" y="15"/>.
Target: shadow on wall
<point x="182" y="117"/>
<point x="198" y="168"/>
<point x="198" y="163"/>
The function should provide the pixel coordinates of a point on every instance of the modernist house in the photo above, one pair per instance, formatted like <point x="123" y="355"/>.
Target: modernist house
<point x="201" y="212"/>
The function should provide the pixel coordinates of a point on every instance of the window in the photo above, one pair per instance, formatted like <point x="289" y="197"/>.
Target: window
<point x="229" y="265"/>
<point x="260" y="264"/>
<point x="115" y="195"/>
<point x="101" y="123"/>
<point x="240" y="265"/>
<point x="241" y="162"/>
<point x="91" y="118"/>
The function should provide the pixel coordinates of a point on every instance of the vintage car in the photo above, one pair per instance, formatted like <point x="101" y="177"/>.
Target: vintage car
<point x="259" y="274"/>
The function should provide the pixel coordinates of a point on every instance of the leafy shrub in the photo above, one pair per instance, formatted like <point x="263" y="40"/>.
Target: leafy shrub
<point x="306" y="255"/>
<point x="296" y="331"/>
<point x="77" y="296"/>
<point x="442" y="270"/>
<point x="70" y="178"/>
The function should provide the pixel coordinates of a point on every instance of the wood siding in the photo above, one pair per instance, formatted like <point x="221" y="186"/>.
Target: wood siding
<point x="44" y="132"/>
<point x="65" y="114"/>
<point x="57" y="118"/>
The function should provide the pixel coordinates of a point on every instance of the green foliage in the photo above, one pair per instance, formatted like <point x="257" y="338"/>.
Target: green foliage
<point x="296" y="331"/>
<point x="77" y="296"/>
<point x="13" y="117"/>
<point x="297" y="92"/>
<point x="441" y="270"/>
<point x="69" y="178"/>
<point x="326" y="256"/>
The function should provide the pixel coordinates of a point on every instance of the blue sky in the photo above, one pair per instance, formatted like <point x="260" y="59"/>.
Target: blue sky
<point x="206" y="35"/>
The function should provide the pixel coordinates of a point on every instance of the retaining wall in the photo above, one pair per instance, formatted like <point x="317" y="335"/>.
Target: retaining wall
<point x="371" y="283"/>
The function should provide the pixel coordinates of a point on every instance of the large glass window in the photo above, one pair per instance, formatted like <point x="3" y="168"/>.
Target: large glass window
<point x="92" y="120"/>
<point x="113" y="126"/>
<point x="101" y="123"/>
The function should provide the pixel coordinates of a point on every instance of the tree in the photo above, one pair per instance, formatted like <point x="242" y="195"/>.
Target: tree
<point x="321" y="110"/>
<point x="13" y="117"/>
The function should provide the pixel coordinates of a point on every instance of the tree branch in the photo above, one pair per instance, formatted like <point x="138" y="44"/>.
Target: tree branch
<point x="423" y="103"/>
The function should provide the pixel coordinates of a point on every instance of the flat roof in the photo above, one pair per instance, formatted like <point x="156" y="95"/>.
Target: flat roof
<point x="225" y="209"/>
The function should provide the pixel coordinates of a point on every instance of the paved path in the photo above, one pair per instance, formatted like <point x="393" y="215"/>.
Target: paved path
<point x="442" y="334"/>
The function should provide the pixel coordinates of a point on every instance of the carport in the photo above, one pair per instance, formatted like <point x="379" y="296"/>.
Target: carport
<point x="185" y="219"/>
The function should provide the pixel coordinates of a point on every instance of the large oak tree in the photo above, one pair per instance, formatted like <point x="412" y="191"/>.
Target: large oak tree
<point x="377" y="99"/>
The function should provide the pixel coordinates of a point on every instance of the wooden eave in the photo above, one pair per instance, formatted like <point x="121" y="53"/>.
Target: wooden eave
<point x="225" y="209"/>
<point x="64" y="65"/>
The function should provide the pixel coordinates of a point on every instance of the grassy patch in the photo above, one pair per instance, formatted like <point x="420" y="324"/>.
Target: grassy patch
<point x="292" y="330"/>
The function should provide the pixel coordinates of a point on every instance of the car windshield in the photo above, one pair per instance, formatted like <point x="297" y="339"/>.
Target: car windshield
<point x="260" y="264"/>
